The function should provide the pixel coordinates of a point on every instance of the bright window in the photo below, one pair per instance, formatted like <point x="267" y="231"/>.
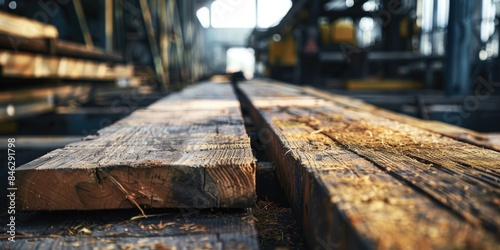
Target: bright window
<point x="203" y="15"/>
<point x="233" y="14"/>
<point x="241" y="59"/>
<point x="243" y="13"/>
<point x="270" y="12"/>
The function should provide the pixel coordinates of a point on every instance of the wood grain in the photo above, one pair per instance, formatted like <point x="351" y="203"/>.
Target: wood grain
<point x="458" y="133"/>
<point x="187" y="150"/>
<point x="167" y="229"/>
<point x="361" y="180"/>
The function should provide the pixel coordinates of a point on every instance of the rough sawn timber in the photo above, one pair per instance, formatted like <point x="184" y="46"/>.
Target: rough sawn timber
<point x="117" y="229"/>
<point x="187" y="150"/>
<point x="361" y="180"/>
<point x="458" y="133"/>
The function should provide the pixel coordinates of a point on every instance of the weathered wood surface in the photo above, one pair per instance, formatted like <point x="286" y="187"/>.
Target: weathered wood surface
<point x="172" y="229"/>
<point x="362" y="180"/>
<point x="187" y="150"/>
<point x="458" y="133"/>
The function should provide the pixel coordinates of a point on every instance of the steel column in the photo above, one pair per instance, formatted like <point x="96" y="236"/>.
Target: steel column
<point x="459" y="39"/>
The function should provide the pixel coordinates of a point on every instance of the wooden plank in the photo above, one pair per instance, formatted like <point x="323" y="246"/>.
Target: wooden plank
<point x="35" y="100"/>
<point x="38" y="92"/>
<point x="458" y="133"/>
<point x="58" y="48"/>
<point x="196" y="229"/>
<point x="69" y="49"/>
<point x="26" y="28"/>
<point x="360" y="180"/>
<point x="228" y="241"/>
<point x="168" y="155"/>
<point x="29" y="65"/>
<point x="494" y="139"/>
<point x="17" y="110"/>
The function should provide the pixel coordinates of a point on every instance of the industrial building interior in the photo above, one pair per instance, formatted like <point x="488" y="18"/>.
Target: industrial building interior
<point x="73" y="69"/>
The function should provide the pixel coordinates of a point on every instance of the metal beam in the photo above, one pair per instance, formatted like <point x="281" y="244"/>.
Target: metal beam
<point x="458" y="50"/>
<point x="77" y="4"/>
<point x="164" y="43"/>
<point x="158" y="64"/>
<point x="108" y="26"/>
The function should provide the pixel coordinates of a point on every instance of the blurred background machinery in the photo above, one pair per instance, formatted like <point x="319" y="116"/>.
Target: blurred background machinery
<point x="426" y="58"/>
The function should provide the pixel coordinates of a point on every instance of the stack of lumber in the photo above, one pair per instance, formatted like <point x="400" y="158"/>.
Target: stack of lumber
<point x="31" y="65"/>
<point x="187" y="150"/>
<point x="358" y="176"/>
<point x="32" y="49"/>
<point x="361" y="177"/>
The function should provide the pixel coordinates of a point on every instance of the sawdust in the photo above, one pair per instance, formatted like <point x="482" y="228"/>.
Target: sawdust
<point x="270" y="226"/>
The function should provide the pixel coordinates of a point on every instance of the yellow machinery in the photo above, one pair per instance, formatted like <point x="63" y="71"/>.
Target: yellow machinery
<point x="283" y="52"/>
<point x="339" y="31"/>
